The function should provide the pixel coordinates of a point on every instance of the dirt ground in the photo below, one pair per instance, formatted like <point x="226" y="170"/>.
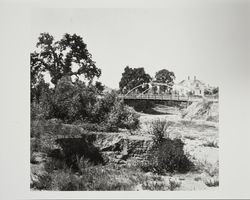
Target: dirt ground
<point x="201" y="140"/>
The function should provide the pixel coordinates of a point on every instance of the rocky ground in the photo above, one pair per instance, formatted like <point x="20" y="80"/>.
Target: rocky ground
<point x="124" y="149"/>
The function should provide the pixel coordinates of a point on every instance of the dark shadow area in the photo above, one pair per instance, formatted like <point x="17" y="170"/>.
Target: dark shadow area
<point x="145" y="106"/>
<point x="72" y="149"/>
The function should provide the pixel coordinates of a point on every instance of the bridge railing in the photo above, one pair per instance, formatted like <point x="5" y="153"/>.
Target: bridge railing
<point x="155" y="97"/>
<point x="166" y="97"/>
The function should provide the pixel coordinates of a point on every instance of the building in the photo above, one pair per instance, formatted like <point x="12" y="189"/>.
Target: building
<point x="190" y="87"/>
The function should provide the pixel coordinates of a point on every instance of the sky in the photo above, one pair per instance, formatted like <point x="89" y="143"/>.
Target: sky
<point x="192" y="39"/>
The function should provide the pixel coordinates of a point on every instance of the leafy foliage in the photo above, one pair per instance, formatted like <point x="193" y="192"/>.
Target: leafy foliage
<point x="73" y="102"/>
<point x="59" y="57"/>
<point x="68" y="102"/>
<point x="165" y="76"/>
<point x="122" y="116"/>
<point x="132" y="77"/>
<point x="216" y="91"/>
<point x="212" y="91"/>
<point x="102" y="107"/>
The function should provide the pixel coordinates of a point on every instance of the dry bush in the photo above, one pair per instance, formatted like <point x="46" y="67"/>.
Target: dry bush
<point x="65" y="180"/>
<point x="160" y="129"/>
<point x="96" y="178"/>
<point x="154" y="183"/>
<point x="174" y="183"/>
<point x="211" y="143"/>
<point x="211" y="169"/>
<point x="212" y="181"/>
<point x="166" y="155"/>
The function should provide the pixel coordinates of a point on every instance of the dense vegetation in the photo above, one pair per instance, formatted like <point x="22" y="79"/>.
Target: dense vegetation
<point x="70" y="106"/>
<point x="137" y="78"/>
<point x="73" y="101"/>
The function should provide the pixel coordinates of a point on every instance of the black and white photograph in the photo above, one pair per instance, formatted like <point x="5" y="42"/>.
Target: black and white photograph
<point x="148" y="99"/>
<point x="119" y="101"/>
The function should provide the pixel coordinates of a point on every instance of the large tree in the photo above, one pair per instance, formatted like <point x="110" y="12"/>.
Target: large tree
<point x="167" y="77"/>
<point x="132" y="77"/>
<point x="68" y="56"/>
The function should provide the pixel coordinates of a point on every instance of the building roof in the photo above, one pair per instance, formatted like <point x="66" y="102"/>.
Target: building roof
<point x="191" y="83"/>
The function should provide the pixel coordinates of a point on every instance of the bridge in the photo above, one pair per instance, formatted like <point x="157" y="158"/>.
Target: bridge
<point x="167" y="97"/>
<point x="163" y="97"/>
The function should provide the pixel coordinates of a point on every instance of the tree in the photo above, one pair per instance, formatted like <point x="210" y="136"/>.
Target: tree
<point x="132" y="77"/>
<point x="59" y="57"/>
<point x="40" y="88"/>
<point x="165" y="76"/>
<point x="99" y="86"/>
<point x="73" y="101"/>
<point x="208" y="91"/>
<point x="215" y="91"/>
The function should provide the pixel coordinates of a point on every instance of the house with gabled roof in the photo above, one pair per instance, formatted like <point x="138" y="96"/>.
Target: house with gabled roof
<point x="191" y="87"/>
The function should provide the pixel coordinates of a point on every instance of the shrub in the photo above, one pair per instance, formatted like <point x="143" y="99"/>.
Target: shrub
<point x="37" y="127"/>
<point x="93" y="127"/>
<point x="174" y="183"/>
<point x="159" y="130"/>
<point x="53" y="163"/>
<point x="74" y="102"/>
<point x="154" y="183"/>
<point x="213" y="118"/>
<point x="198" y="178"/>
<point x="36" y="131"/>
<point x="103" y="106"/>
<point x="211" y="143"/>
<point x="111" y="119"/>
<point x="166" y="155"/>
<point x="40" y="130"/>
<point x="122" y="116"/>
<point x="40" y="179"/>
<point x="212" y="169"/>
<point x="66" y="102"/>
<point x="97" y="178"/>
<point x="212" y="182"/>
<point x="64" y="180"/>
<point x="36" y="111"/>
<point x="75" y="148"/>
<point x="130" y="119"/>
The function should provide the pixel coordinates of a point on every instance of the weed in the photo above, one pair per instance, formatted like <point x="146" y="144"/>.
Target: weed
<point x="212" y="181"/>
<point x="211" y="143"/>
<point x="160" y="130"/>
<point x="174" y="183"/>
<point x="212" y="169"/>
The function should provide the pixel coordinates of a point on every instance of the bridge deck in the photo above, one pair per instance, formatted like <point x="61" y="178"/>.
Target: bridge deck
<point x="167" y="98"/>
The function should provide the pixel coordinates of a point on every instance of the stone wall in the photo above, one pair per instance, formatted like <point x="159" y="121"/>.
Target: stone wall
<point x="120" y="147"/>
